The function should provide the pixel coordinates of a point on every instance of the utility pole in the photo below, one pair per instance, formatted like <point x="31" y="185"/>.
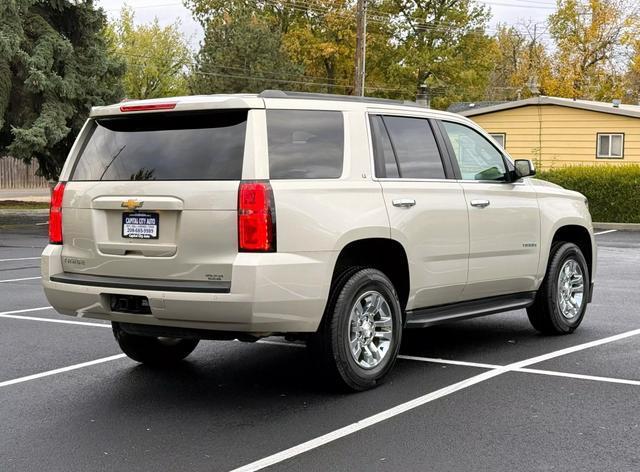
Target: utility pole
<point x="361" y="48"/>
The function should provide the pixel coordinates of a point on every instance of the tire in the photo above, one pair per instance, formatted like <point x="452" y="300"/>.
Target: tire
<point x="331" y="345"/>
<point x="552" y="312"/>
<point x="153" y="350"/>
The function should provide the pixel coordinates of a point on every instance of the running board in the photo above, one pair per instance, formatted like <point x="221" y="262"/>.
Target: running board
<point x="423" y="317"/>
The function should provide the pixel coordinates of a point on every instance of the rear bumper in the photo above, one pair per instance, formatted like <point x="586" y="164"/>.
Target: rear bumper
<point x="142" y="284"/>
<point x="268" y="293"/>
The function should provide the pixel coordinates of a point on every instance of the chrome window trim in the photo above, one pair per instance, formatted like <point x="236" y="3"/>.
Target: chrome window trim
<point x="498" y="182"/>
<point x="398" y="179"/>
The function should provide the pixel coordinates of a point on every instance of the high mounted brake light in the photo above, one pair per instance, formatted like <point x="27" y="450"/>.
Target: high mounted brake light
<point x="150" y="107"/>
<point x="55" y="214"/>
<point x="256" y="217"/>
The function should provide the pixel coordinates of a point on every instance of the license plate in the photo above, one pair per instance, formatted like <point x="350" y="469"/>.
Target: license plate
<point x="140" y="225"/>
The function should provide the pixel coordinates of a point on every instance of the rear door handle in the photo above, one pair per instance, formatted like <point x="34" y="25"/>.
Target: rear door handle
<point x="404" y="202"/>
<point x="480" y="203"/>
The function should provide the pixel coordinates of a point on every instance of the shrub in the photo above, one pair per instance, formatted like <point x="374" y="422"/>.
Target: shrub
<point x="613" y="190"/>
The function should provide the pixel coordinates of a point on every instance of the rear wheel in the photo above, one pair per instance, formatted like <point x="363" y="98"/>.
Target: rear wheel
<point x="359" y="339"/>
<point x="561" y="302"/>
<point x="153" y="350"/>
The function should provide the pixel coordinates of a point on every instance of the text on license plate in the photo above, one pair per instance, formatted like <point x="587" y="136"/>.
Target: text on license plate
<point x="140" y="225"/>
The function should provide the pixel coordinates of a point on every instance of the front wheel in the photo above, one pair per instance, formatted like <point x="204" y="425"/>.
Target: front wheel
<point x="561" y="302"/>
<point x="359" y="338"/>
<point x="153" y="350"/>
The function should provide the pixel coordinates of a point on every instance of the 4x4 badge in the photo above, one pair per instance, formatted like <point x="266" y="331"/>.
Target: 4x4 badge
<point x="132" y="204"/>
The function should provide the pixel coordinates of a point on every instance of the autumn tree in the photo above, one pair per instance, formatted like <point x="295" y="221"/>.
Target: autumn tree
<point x="156" y="57"/>
<point x="590" y="38"/>
<point x="632" y="78"/>
<point x="442" y="44"/>
<point x="521" y="63"/>
<point x="321" y="37"/>
<point x="53" y="67"/>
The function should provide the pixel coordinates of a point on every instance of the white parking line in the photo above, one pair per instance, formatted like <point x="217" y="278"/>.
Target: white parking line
<point x="523" y="370"/>
<point x="417" y="402"/>
<point x="26" y="310"/>
<point x="19" y="259"/>
<point x="19" y="280"/>
<point x="436" y="360"/>
<point x="605" y="232"/>
<point x="53" y="320"/>
<point x="61" y="370"/>
<point x="15" y="314"/>
<point x="578" y="376"/>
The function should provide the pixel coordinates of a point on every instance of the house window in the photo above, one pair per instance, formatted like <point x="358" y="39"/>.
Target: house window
<point x="610" y="145"/>
<point x="500" y="138"/>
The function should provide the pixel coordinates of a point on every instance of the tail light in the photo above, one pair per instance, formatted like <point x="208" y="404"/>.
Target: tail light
<point x="55" y="214"/>
<point x="256" y="217"/>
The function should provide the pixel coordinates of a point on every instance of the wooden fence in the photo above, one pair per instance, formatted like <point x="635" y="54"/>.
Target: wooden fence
<point x="16" y="174"/>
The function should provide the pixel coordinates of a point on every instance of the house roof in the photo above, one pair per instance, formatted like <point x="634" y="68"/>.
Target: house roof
<point x="459" y="107"/>
<point x="602" y="107"/>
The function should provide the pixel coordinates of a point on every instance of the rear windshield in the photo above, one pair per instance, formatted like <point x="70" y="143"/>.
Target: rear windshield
<point x="164" y="146"/>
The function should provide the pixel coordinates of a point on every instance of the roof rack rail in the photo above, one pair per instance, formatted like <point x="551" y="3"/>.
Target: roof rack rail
<point x="335" y="97"/>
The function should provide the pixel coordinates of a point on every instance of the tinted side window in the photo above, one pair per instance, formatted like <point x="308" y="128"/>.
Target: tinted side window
<point x="386" y="165"/>
<point x="415" y="147"/>
<point x="164" y="146"/>
<point x="305" y="144"/>
<point x="477" y="158"/>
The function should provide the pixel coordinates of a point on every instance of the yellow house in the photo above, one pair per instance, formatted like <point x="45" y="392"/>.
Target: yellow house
<point x="557" y="131"/>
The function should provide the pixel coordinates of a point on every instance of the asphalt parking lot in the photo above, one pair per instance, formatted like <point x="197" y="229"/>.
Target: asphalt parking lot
<point x="486" y="394"/>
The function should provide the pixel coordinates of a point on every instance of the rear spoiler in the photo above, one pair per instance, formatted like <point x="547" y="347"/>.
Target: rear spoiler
<point x="192" y="103"/>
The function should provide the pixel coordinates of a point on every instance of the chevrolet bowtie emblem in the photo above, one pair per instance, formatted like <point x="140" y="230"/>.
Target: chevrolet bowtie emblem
<point x="132" y="204"/>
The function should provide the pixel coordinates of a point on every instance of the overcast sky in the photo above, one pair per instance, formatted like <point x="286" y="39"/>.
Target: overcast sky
<point x="168" y="11"/>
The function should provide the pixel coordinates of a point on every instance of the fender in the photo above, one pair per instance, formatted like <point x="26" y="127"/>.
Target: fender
<point x="561" y="208"/>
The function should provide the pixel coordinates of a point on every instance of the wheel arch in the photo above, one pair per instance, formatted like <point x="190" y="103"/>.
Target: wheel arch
<point x="387" y="255"/>
<point x="581" y="237"/>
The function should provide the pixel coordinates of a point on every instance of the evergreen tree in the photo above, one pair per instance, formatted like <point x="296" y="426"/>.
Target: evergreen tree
<point x="242" y="52"/>
<point x="54" y="67"/>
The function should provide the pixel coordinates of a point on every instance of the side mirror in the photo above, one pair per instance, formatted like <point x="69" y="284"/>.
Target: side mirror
<point x="524" y="168"/>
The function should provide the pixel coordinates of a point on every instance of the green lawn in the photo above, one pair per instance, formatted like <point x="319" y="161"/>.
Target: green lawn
<point x="19" y="205"/>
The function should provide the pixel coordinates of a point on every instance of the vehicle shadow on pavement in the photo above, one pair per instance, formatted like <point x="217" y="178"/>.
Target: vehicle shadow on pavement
<point x="498" y="339"/>
<point x="252" y="376"/>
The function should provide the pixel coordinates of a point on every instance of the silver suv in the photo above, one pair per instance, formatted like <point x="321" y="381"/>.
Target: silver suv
<point x="334" y="220"/>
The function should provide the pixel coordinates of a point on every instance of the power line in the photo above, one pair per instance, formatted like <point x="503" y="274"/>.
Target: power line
<point x="385" y="20"/>
<point x="377" y="16"/>
<point x="440" y="90"/>
<point x="437" y="90"/>
<point x="242" y="69"/>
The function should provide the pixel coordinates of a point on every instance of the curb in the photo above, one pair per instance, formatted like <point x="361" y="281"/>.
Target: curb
<point x="618" y="226"/>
